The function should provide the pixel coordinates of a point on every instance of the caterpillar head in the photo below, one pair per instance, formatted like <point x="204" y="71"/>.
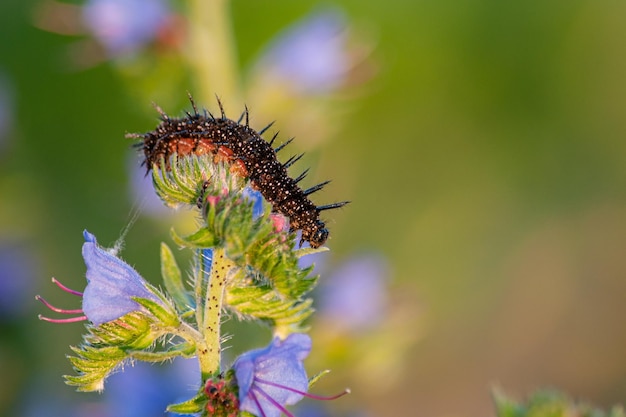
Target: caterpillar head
<point x="315" y="233"/>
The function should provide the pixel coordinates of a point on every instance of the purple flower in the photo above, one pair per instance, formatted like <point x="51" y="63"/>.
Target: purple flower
<point x="354" y="297"/>
<point x="124" y="26"/>
<point x="111" y="285"/>
<point x="273" y="377"/>
<point x="312" y="55"/>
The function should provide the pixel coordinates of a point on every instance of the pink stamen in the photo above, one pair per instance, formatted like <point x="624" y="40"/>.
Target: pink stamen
<point x="271" y="400"/>
<point x="306" y="394"/>
<point x="82" y="317"/>
<point x="64" y="288"/>
<point x="70" y="320"/>
<point x="56" y="309"/>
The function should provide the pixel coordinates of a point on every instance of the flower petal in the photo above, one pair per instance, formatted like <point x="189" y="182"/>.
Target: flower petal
<point x="277" y="370"/>
<point x="111" y="284"/>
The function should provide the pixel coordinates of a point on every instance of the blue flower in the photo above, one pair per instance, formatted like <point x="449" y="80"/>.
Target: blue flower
<point x="312" y="55"/>
<point x="124" y="26"/>
<point x="273" y="377"/>
<point x="111" y="285"/>
<point x="146" y="390"/>
<point x="355" y="295"/>
<point x="17" y="270"/>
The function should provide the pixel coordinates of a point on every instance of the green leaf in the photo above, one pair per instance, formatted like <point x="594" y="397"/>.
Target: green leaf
<point x="185" y="350"/>
<point x="191" y="406"/>
<point x="309" y="251"/>
<point x="132" y="331"/>
<point x="264" y="303"/>
<point x="548" y="403"/>
<point x="201" y="239"/>
<point x="165" y="317"/>
<point x="173" y="281"/>
<point x="93" y="365"/>
<point x="107" y="346"/>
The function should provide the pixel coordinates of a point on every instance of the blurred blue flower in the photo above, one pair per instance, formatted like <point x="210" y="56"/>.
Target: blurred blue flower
<point x="111" y="284"/>
<point x="125" y="26"/>
<point x="354" y="296"/>
<point x="16" y="278"/>
<point x="311" y="55"/>
<point x="141" y="189"/>
<point x="143" y="390"/>
<point x="305" y="71"/>
<point x="146" y="390"/>
<point x="273" y="377"/>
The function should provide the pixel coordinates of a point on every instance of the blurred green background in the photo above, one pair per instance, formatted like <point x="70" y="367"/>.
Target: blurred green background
<point x="485" y="161"/>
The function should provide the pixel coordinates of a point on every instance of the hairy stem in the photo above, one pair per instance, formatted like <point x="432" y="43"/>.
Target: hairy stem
<point x="209" y="356"/>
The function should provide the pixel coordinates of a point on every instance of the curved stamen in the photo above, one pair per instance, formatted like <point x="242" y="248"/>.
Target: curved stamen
<point x="56" y="309"/>
<point x="61" y="310"/>
<point x="70" y="320"/>
<point x="271" y="400"/>
<point x="64" y="288"/>
<point x="306" y="394"/>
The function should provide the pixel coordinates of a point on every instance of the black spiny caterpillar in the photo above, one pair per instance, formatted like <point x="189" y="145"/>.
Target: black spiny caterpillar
<point x="250" y="156"/>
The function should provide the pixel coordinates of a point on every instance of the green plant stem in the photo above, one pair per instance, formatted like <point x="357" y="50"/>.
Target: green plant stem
<point x="199" y="288"/>
<point x="212" y="51"/>
<point x="209" y="356"/>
